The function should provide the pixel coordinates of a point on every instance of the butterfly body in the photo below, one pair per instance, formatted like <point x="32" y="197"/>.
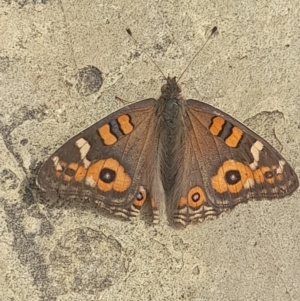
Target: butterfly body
<point x="171" y="136"/>
<point x="186" y="156"/>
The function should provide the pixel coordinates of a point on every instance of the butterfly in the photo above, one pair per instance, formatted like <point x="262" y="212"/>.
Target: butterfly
<point x="186" y="157"/>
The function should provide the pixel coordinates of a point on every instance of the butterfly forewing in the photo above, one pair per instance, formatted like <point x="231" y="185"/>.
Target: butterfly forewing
<point x="239" y="163"/>
<point x="104" y="162"/>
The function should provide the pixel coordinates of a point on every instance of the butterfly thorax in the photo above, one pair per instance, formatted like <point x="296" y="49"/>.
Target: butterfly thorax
<point x="169" y="105"/>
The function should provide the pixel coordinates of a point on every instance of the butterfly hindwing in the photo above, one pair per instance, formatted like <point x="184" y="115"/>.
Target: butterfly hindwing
<point x="104" y="162"/>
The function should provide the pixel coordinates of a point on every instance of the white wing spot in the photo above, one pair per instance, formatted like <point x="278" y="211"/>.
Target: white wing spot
<point x="84" y="148"/>
<point x="90" y="181"/>
<point x="57" y="164"/>
<point x="249" y="183"/>
<point x="256" y="148"/>
<point x="80" y="142"/>
<point x="86" y="163"/>
<point x="281" y="164"/>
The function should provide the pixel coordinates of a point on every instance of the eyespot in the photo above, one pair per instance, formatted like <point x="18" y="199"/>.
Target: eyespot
<point x="196" y="197"/>
<point x="232" y="176"/>
<point x="140" y="198"/>
<point x="269" y="175"/>
<point x="69" y="170"/>
<point x="107" y="175"/>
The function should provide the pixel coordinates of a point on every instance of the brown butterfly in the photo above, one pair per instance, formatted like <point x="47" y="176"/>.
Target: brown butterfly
<point x="184" y="155"/>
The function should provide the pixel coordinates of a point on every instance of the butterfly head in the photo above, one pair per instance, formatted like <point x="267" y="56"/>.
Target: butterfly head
<point x="171" y="89"/>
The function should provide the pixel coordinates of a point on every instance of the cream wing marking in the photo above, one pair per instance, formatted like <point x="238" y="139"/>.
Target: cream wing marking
<point x="84" y="148"/>
<point x="256" y="148"/>
<point x="90" y="181"/>
<point x="57" y="164"/>
<point x="281" y="164"/>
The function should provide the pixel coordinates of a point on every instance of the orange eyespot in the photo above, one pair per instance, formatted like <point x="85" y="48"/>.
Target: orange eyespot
<point x="196" y="197"/>
<point x="140" y="198"/>
<point x="267" y="173"/>
<point x="108" y="175"/>
<point x="232" y="176"/>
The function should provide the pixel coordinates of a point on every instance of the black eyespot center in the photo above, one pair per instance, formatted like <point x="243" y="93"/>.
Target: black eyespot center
<point x="69" y="172"/>
<point x="139" y="196"/>
<point x="107" y="175"/>
<point x="232" y="177"/>
<point x="196" y="197"/>
<point x="269" y="175"/>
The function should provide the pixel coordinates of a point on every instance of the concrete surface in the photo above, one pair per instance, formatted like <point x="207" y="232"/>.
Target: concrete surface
<point x="59" y="250"/>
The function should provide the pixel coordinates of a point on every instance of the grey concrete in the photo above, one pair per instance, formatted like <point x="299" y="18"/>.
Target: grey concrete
<point x="56" y="250"/>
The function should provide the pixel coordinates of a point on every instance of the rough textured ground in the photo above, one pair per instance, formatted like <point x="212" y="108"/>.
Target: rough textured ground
<point x="50" y="54"/>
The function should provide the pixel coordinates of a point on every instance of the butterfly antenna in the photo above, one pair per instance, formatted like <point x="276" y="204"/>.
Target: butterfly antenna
<point x="213" y="32"/>
<point x="136" y="42"/>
